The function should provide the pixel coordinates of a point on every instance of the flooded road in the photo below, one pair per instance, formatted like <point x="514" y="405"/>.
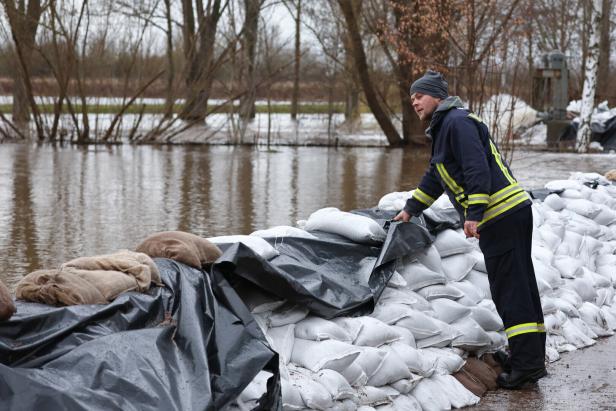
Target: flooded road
<point x="64" y="202"/>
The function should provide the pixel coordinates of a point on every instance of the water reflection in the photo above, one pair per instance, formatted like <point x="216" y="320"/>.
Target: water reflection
<point x="64" y="202"/>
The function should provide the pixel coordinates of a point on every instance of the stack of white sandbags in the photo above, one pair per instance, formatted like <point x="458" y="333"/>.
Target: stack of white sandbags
<point x="437" y="308"/>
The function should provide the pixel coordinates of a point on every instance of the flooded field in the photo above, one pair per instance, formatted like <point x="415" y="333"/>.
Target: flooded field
<point x="64" y="202"/>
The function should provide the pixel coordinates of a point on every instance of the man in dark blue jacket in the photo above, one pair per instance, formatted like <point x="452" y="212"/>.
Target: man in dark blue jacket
<point x="468" y="167"/>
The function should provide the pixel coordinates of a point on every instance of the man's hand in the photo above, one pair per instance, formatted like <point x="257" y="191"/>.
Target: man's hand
<point x="470" y="229"/>
<point x="403" y="216"/>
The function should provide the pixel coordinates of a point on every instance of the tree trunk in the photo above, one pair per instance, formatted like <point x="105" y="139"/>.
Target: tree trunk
<point x="605" y="91"/>
<point x="295" y="96"/>
<point x="351" y="107"/>
<point x="24" y="24"/>
<point x="590" y="77"/>
<point x="199" y="53"/>
<point x="170" y="94"/>
<point x="349" y="10"/>
<point x="252" y="9"/>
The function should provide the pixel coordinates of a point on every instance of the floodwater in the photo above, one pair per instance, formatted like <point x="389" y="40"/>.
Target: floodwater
<point x="59" y="203"/>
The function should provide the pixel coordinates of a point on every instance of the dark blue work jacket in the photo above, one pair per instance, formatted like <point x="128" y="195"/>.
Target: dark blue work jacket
<point x="467" y="165"/>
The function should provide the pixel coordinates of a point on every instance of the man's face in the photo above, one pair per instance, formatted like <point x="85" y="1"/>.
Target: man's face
<point x="424" y="105"/>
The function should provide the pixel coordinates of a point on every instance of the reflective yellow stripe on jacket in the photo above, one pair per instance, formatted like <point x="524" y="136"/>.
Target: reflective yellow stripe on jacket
<point x="498" y="203"/>
<point x="524" y="328"/>
<point x="422" y="197"/>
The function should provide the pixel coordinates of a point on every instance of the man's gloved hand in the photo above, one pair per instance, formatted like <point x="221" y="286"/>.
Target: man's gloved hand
<point x="470" y="229"/>
<point x="403" y="216"/>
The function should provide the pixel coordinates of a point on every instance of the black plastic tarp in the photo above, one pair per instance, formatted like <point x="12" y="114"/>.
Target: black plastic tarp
<point x="331" y="275"/>
<point x="191" y="345"/>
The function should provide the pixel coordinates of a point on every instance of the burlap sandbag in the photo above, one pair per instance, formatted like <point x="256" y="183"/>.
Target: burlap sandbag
<point x="481" y="371"/>
<point x="7" y="307"/>
<point x="470" y="382"/>
<point x="137" y="265"/>
<point x="611" y="175"/>
<point x="180" y="246"/>
<point x="58" y="287"/>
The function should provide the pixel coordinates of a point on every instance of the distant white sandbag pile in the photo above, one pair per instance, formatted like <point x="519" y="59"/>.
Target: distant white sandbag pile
<point x="437" y="309"/>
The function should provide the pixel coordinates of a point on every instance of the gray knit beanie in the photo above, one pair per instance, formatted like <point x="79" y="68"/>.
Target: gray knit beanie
<point x="432" y="83"/>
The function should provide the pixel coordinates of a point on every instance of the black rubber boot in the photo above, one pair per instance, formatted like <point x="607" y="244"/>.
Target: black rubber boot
<point x="503" y="358"/>
<point x="516" y="379"/>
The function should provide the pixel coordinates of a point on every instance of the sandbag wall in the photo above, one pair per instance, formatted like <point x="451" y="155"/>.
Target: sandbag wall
<point x="437" y="309"/>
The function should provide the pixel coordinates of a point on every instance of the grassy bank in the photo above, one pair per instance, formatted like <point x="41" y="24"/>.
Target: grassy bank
<point x="308" y="108"/>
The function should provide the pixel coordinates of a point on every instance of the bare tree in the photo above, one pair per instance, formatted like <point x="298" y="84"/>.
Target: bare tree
<point x="604" y="87"/>
<point x="351" y="11"/>
<point x="295" y="9"/>
<point x="24" y="22"/>
<point x="252" y="9"/>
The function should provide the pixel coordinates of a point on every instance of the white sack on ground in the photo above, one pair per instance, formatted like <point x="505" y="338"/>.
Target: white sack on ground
<point x="421" y="325"/>
<point x="448" y="310"/>
<point x="331" y="354"/>
<point x="355" y="227"/>
<point x="282" y="231"/>
<point x="406" y="297"/>
<point x="432" y="292"/>
<point x="449" y="242"/>
<point x="473" y="336"/>
<point x="317" y="329"/>
<point x="457" y="394"/>
<point x="428" y="393"/>
<point x="256" y="244"/>
<point x="373" y="332"/>
<point x="480" y="280"/>
<point x="288" y="313"/>
<point x="430" y="258"/>
<point x="418" y="275"/>
<point x="282" y="339"/>
<point x="457" y="267"/>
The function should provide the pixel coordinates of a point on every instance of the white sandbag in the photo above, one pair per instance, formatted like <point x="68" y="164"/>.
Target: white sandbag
<point x="291" y="397"/>
<point x="316" y="355"/>
<point x="584" y="328"/>
<point x="317" y="329"/>
<point x="416" y="362"/>
<point x="418" y="276"/>
<point x="551" y="354"/>
<point x="548" y="305"/>
<point x="428" y="393"/>
<point x="597" y="280"/>
<point x="404" y="403"/>
<point x="355" y="375"/>
<point x="375" y="396"/>
<point x="569" y="267"/>
<point x="605" y="259"/>
<point x="391" y="313"/>
<point x="370" y="360"/>
<point x="404" y="296"/>
<point x="282" y="231"/>
<point x="336" y="384"/>
<point x="357" y="228"/>
<point x="552" y="324"/>
<point x="542" y="254"/>
<point x="282" y="340"/>
<point x="573" y="194"/>
<point x="313" y="394"/>
<point x="560" y="185"/>
<point x="538" y="214"/>
<point x="457" y="394"/>
<point x="554" y="202"/>
<point x="457" y="267"/>
<point x="594" y="178"/>
<point x="548" y="274"/>
<point x="588" y="249"/>
<point x="581" y="224"/>
<point x="448" y="361"/>
<point x="448" y="310"/>
<point x="594" y="318"/>
<point x="405" y="386"/>
<point x="406" y="336"/>
<point x="606" y="216"/>
<point x="583" y="287"/>
<point x="421" y="325"/>
<point x="609" y="316"/>
<point x="256" y="244"/>
<point x="567" y="307"/>
<point x="574" y="336"/>
<point x="374" y="332"/>
<point x="543" y="287"/>
<point x="570" y="245"/>
<point x="443" y="339"/>
<point x="481" y="281"/>
<point x="604" y="296"/>
<point x="449" y="242"/>
<point x="583" y="207"/>
<point x="287" y="314"/>
<point x="344" y="405"/>
<point x="473" y="336"/>
<point x="256" y="388"/>
<point x="366" y="408"/>
<point x="498" y="340"/>
<point x="550" y="240"/>
<point x="397" y="281"/>
<point x="394" y="201"/>
<point x="440" y="291"/>
<point x="487" y="319"/>
<point x="392" y="369"/>
<point x="469" y="291"/>
<point x="569" y="295"/>
<point x="430" y="258"/>
<point x="608" y="271"/>
<point x="480" y="264"/>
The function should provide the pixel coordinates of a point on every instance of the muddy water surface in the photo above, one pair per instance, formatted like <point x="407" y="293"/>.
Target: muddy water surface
<point x="63" y="202"/>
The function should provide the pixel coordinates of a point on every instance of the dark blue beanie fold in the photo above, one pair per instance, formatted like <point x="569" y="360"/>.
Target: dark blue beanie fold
<point x="432" y="83"/>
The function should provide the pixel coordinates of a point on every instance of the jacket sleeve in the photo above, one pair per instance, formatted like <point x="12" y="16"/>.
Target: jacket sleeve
<point x="428" y="191"/>
<point x="470" y="153"/>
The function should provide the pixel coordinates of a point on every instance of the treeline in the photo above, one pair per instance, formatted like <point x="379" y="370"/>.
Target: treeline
<point x="362" y="54"/>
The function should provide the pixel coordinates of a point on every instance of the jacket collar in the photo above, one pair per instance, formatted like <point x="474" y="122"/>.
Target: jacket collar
<point x="442" y="109"/>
